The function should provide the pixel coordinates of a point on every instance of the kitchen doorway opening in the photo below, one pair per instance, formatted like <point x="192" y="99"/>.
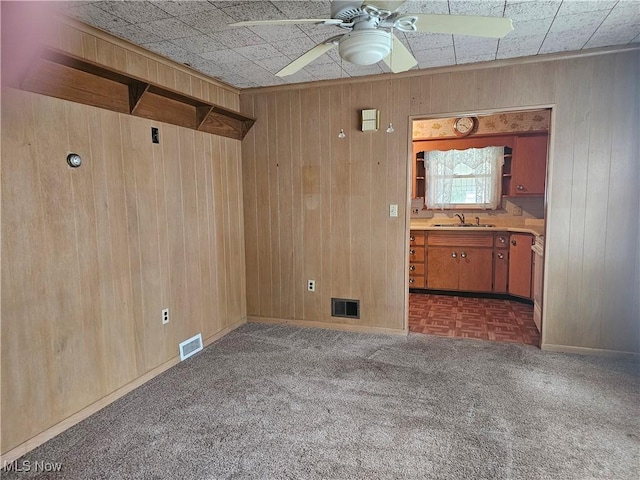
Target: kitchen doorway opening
<point x="476" y="227"/>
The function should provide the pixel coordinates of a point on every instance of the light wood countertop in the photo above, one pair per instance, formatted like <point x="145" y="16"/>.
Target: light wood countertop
<point x="536" y="229"/>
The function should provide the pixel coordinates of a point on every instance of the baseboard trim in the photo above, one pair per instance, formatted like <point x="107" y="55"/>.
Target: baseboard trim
<point x="600" y="352"/>
<point x="25" y="447"/>
<point x="329" y="326"/>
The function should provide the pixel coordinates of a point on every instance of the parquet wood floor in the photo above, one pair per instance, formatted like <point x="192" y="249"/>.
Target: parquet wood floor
<point x="482" y="318"/>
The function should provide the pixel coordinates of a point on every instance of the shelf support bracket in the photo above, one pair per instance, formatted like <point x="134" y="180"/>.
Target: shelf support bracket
<point x="136" y="92"/>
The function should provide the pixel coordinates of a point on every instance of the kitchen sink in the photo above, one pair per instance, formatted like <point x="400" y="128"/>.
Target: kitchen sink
<point x="462" y="225"/>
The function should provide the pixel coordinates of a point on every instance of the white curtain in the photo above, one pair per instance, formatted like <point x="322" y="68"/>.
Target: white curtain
<point x="469" y="178"/>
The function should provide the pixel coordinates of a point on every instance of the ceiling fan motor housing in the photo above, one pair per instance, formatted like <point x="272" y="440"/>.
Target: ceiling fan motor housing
<point x="365" y="47"/>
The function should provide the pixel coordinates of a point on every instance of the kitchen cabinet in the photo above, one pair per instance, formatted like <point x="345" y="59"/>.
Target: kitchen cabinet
<point x="520" y="262"/>
<point x="501" y="263"/>
<point x="527" y="167"/>
<point x="418" y="187"/>
<point x="460" y="261"/>
<point x="416" y="259"/>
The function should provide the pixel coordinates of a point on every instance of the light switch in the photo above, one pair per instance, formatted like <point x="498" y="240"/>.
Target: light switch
<point x="393" y="210"/>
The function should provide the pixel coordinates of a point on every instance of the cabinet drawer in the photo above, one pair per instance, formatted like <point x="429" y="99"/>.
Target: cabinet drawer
<point x="416" y="254"/>
<point x="416" y="237"/>
<point x="467" y="239"/>
<point x="502" y="240"/>
<point x="416" y="282"/>
<point x="416" y="269"/>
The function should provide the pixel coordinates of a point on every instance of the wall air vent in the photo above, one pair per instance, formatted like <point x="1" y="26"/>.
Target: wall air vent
<point x="190" y="347"/>
<point x="342" y="307"/>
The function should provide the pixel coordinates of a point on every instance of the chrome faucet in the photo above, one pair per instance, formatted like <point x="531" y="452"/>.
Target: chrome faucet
<point x="461" y="217"/>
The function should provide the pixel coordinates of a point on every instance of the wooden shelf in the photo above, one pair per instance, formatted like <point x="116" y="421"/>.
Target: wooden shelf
<point x="61" y="75"/>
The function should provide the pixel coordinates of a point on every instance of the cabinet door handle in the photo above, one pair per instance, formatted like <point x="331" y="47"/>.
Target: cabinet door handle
<point x="520" y="187"/>
<point x="502" y="240"/>
<point x="412" y="238"/>
<point x="454" y="255"/>
<point x="463" y="254"/>
<point x="412" y="252"/>
<point x="501" y="255"/>
<point x="412" y="268"/>
<point x="513" y="242"/>
<point x="411" y="280"/>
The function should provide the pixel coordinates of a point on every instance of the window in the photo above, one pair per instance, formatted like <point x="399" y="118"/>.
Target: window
<point x="468" y="178"/>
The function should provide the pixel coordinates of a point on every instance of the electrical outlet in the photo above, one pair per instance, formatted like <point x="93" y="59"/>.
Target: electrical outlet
<point x="311" y="285"/>
<point x="393" y="210"/>
<point x="165" y="316"/>
<point x="517" y="211"/>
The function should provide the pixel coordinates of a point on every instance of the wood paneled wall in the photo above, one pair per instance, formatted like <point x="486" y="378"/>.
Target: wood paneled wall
<point x="90" y="256"/>
<point x="317" y="207"/>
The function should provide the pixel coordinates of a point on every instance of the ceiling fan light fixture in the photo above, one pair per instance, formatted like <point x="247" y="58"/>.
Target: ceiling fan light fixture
<point x="365" y="47"/>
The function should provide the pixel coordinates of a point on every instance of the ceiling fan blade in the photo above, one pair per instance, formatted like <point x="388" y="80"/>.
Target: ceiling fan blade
<point x="305" y="59"/>
<point x="295" y="21"/>
<point x="400" y="59"/>
<point x="492" y="27"/>
<point x="390" y="5"/>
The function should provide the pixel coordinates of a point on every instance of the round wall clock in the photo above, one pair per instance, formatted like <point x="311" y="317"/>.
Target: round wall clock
<point x="464" y="126"/>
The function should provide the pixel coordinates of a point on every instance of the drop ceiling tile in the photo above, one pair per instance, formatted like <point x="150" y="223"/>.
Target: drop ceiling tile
<point x="298" y="77"/>
<point x="237" y="37"/>
<point x="361" y="70"/>
<point x="238" y="80"/>
<point x="274" y="64"/>
<point x="323" y="71"/>
<point x="479" y="44"/>
<point x="135" y="34"/>
<point x="436" y="57"/>
<point x="133" y="12"/>
<point x="199" y="43"/>
<point x="295" y="49"/>
<point x="437" y="7"/>
<point x="487" y="57"/>
<point x="91" y="14"/>
<point x="580" y="21"/>
<point x="580" y="6"/>
<point x="258" y="52"/>
<point x="636" y="40"/>
<point x="208" y="21"/>
<point x="519" y="47"/>
<point x="248" y="69"/>
<point x="565" y="41"/>
<point x="223" y="57"/>
<point x="169" y="28"/>
<point x="619" y="35"/>
<point x="526" y="28"/>
<point x="274" y="33"/>
<point x="425" y="41"/>
<point x="226" y="3"/>
<point x="531" y="10"/>
<point x="257" y="10"/>
<point x="168" y="49"/>
<point x="489" y="8"/>
<point x="176" y="8"/>
<point x="624" y="12"/>
<point x="300" y="9"/>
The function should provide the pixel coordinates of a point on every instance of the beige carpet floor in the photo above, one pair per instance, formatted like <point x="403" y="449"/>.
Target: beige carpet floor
<point x="277" y="402"/>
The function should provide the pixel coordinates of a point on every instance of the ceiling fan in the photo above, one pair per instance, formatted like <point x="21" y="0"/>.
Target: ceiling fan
<point x="370" y="36"/>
